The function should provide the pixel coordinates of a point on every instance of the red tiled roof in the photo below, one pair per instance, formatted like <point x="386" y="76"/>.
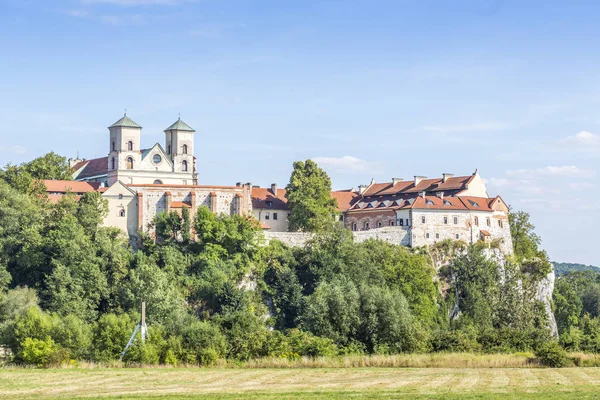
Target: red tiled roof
<point x="345" y="199"/>
<point x="427" y="185"/>
<point x="57" y="186"/>
<point x="93" y="167"/>
<point x="180" y="204"/>
<point x="264" y="226"/>
<point x="485" y="233"/>
<point x="260" y="197"/>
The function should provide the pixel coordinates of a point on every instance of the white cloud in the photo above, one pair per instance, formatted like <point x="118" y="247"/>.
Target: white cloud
<point x="584" y="138"/>
<point x="13" y="149"/>
<point x="347" y="164"/>
<point x="550" y="171"/>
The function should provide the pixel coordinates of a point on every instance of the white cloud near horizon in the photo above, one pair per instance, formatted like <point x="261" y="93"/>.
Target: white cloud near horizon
<point x="13" y="149"/>
<point x="550" y="171"/>
<point x="347" y="164"/>
<point x="583" y="141"/>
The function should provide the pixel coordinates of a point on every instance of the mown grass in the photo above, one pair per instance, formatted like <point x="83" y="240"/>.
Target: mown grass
<point x="300" y="383"/>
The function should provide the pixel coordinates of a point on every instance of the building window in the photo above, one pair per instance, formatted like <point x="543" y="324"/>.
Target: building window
<point x="445" y="220"/>
<point x="401" y="221"/>
<point x="130" y="145"/>
<point x="157" y="182"/>
<point x="500" y="224"/>
<point x="354" y="226"/>
<point x="184" y="149"/>
<point x="455" y="220"/>
<point x="184" y="182"/>
<point x="423" y="219"/>
<point x="488" y="222"/>
<point x="437" y="235"/>
<point x="457" y="236"/>
<point x="156" y="159"/>
<point x="120" y="197"/>
<point x="122" y="212"/>
<point x="112" y="146"/>
<point x="269" y="203"/>
<point x="341" y="217"/>
<point x="366" y="226"/>
<point x="392" y="223"/>
<point x="407" y="224"/>
<point x="169" y="149"/>
<point x="476" y="221"/>
<point x="427" y="236"/>
<point x="274" y="215"/>
<point x="267" y="215"/>
<point x="379" y="224"/>
<point x="129" y="163"/>
<point x="112" y="163"/>
<point x="184" y="166"/>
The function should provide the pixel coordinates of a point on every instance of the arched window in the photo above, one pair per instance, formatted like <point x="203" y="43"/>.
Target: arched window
<point x="130" y="145"/>
<point x="122" y="212"/>
<point x="129" y="162"/>
<point x="184" y="166"/>
<point x="169" y="149"/>
<point x="158" y="182"/>
<point x="112" y="146"/>
<point x="184" y="149"/>
<point x="112" y="163"/>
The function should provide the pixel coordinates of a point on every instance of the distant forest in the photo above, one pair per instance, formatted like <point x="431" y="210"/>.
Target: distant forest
<point x="564" y="268"/>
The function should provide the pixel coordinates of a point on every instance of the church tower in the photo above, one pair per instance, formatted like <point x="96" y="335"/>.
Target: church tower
<point x="124" y="150"/>
<point x="179" y="145"/>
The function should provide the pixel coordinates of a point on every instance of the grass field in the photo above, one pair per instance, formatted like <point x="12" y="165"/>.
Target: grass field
<point x="301" y="383"/>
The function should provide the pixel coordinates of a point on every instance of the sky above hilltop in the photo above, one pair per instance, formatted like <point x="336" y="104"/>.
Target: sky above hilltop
<point x="370" y="89"/>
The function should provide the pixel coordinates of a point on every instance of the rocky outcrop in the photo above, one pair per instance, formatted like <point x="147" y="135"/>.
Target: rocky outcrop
<point x="544" y="294"/>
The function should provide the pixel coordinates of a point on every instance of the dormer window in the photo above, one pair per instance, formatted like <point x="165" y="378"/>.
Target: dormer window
<point x="447" y="203"/>
<point x="474" y="203"/>
<point x="269" y="203"/>
<point x="429" y="202"/>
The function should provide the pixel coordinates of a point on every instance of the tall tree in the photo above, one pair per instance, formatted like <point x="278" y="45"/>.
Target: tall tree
<point x="309" y="198"/>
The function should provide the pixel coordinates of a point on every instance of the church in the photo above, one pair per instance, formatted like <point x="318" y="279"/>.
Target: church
<point x="140" y="182"/>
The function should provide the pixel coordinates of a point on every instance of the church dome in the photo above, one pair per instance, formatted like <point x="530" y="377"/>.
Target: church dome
<point x="125" y="122"/>
<point x="179" y="125"/>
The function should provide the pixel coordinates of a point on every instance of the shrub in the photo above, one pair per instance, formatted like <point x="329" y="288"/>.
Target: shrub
<point x="552" y="355"/>
<point x="455" y="341"/>
<point x="42" y="352"/>
<point x="306" y="344"/>
<point x="111" y="334"/>
<point x="204" y="342"/>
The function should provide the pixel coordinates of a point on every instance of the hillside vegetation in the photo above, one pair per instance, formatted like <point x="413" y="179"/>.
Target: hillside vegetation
<point x="565" y="268"/>
<point x="70" y="289"/>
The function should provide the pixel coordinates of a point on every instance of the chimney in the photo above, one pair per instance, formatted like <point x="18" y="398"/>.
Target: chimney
<point x="74" y="161"/>
<point x="396" y="180"/>
<point x="274" y="189"/>
<point x="418" y="179"/>
<point x="446" y="176"/>
<point x="362" y="188"/>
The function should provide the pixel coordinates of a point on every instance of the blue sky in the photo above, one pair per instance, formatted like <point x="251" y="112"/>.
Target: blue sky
<point x="370" y="89"/>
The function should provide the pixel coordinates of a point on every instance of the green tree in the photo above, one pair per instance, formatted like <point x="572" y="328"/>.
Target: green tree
<point x="309" y="198"/>
<point x="91" y="210"/>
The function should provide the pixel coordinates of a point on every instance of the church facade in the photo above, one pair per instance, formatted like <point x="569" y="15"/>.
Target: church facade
<point x="139" y="183"/>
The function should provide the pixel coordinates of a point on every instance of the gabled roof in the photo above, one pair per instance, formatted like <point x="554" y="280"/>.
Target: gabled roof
<point x="58" y="186"/>
<point x="455" y="183"/>
<point x="89" y="168"/>
<point x="125" y="122"/>
<point x="179" y="125"/>
<point x="261" y="197"/>
<point x="162" y="151"/>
